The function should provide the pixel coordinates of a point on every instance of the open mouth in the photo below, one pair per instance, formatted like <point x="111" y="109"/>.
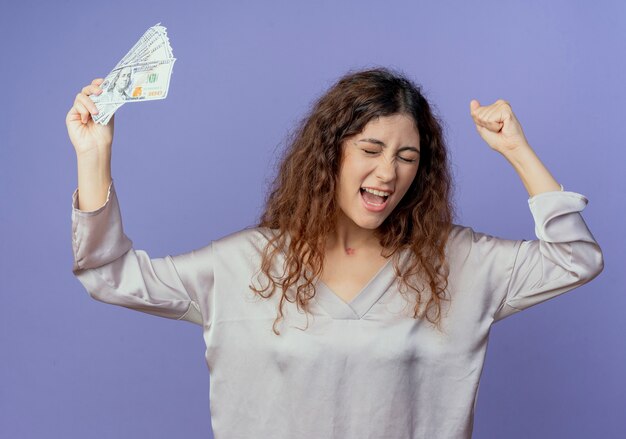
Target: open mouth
<point x="372" y="199"/>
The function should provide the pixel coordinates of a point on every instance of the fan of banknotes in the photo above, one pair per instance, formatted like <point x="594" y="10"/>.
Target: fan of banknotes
<point x="143" y="74"/>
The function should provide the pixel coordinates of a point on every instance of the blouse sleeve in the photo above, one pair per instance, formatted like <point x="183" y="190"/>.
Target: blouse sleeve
<point x="523" y="273"/>
<point x="112" y="271"/>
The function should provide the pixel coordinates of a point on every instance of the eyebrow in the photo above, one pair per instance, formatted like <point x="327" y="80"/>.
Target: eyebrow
<point x="379" y="142"/>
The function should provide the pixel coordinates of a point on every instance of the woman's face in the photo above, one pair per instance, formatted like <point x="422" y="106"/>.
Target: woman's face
<point x="384" y="156"/>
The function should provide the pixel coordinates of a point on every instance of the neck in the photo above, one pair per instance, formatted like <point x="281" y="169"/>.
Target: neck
<point x="350" y="239"/>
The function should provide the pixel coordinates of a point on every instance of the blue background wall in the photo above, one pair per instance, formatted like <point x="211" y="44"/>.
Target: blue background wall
<point x="195" y="167"/>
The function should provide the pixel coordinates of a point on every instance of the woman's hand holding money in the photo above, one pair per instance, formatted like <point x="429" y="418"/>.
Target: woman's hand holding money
<point x="92" y="142"/>
<point x="142" y="75"/>
<point x="86" y="135"/>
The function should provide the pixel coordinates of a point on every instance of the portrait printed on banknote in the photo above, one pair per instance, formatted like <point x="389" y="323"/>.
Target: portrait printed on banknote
<point x="117" y="88"/>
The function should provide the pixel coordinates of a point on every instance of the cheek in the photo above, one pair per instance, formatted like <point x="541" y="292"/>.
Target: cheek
<point x="407" y="179"/>
<point x="353" y="174"/>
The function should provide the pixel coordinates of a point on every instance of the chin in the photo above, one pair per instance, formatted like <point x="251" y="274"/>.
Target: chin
<point x="370" y="224"/>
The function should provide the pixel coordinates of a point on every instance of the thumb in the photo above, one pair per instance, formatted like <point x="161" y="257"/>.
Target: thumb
<point x="474" y="104"/>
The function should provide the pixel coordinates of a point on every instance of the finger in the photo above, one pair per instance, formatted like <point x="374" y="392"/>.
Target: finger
<point x="97" y="81"/>
<point x="491" y="113"/>
<point x="88" y="103"/>
<point x="486" y="110"/>
<point x="496" y="115"/>
<point x="494" y="126"/>
<point x="484" y="131"/>
<point x="480" y="118"/>
<point x="481" y="113"/>
<point x="502" y="110"/>
<point x="474" y="105"/>
<point x="506" y="112"/>
<point x="91" y="89"/>
<point x="73" y="114"/>
<point x="490" y="117"/>
<point x="84" y="113"/>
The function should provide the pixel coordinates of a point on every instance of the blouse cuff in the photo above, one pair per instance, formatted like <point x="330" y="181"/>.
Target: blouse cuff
<point x="98" y="236"/>
<point x="557" y="217"/>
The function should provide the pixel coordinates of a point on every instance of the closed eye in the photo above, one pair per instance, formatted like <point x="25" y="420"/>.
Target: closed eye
<point x="401" y="158"/>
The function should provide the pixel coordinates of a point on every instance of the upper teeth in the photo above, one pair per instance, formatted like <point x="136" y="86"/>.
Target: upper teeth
<point x="375" y="192"/>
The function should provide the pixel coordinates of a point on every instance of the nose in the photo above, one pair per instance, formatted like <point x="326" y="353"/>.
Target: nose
<point x="386" y="168"/>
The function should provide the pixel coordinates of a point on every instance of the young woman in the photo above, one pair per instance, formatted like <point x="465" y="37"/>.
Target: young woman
<point x="355" y="308"/>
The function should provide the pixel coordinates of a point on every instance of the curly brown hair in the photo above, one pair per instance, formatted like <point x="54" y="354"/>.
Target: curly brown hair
<point x="301" y="206"/>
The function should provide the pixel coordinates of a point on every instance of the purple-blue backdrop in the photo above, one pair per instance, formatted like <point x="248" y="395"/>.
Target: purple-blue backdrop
<point x="195" y="166"/>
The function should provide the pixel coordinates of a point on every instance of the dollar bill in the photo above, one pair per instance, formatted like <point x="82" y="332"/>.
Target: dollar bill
<point x="105" y="113"/>
<point x="143" y="74"/>
<point x="136" y="82"/>
<point x="153" y="45"/>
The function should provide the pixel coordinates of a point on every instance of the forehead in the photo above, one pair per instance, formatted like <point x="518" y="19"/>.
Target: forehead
<point x="401" y="126"/>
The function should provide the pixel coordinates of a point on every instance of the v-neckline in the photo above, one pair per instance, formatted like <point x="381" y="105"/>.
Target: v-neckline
<point x="369" y="295"/>
<point x="360" y="304"/>
<point x="365" y="299"/>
